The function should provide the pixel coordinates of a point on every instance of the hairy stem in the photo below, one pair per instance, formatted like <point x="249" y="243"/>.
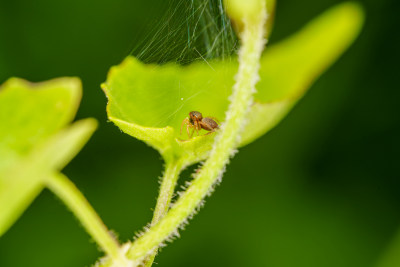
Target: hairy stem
<point x="226" y="141"/>
<point x="77" y="203"/>
<point x="168" y="184"/>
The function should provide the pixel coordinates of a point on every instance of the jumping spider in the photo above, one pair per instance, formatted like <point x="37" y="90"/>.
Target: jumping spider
<point x="197" y="122"/>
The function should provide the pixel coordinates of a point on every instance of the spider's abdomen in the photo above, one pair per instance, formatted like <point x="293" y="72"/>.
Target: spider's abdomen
<point x="209" y="124"/>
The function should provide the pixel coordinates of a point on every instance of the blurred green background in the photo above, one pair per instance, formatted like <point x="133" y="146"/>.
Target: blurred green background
<point x="322" y="189"/>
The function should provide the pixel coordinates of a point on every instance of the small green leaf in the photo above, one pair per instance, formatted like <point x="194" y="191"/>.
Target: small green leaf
<point x="149" y="102"/>
<point x="33" y="139"/>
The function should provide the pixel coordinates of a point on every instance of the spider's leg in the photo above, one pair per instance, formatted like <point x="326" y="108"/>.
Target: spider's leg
<point x="187" y="130"/>
<point x="210" y="132"/>
<point x="197" y="124"/>
<point x="185" y="121"/>
<point x="192" y="132"/>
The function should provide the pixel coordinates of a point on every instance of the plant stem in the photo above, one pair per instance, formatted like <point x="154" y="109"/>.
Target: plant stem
<point x="77" y="203"/>
<point x="225" y="143"/>
<point x="167" y="187"/>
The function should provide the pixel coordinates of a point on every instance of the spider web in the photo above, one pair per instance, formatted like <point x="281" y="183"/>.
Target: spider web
<point x="190" y="30"/>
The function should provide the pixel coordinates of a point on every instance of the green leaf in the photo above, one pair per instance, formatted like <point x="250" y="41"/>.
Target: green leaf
<point x="31" y="112"/>
<point x="289" y="68"/>
<point x="34" y="140"/>
<point x="149" y="102"/>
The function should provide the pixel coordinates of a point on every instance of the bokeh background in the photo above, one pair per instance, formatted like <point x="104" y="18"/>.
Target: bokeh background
<point x="322" y="189"/>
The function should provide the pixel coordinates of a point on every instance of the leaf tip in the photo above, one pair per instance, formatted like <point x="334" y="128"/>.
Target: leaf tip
<point x="90" y="124"/>
<point x="352" y="15"/>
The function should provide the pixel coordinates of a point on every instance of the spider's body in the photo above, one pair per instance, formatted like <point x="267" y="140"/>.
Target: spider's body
<point x="197" y="122"/>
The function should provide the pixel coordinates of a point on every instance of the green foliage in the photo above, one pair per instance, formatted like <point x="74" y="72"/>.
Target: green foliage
<point x="35" y="140"/>
<point x="149" y="102"/>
